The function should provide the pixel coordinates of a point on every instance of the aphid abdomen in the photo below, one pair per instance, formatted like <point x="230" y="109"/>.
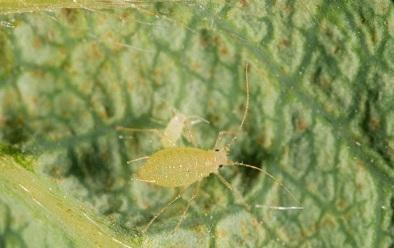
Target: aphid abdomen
<point x="178" y="166"/>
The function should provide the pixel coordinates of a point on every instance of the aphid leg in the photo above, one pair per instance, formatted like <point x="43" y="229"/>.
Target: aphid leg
<point x="194" y="195"/>
<point x="236" y="192"/>
<point x="137" y="159"/>
<point x="179" y="195"/>
<point x="195" y="119"/>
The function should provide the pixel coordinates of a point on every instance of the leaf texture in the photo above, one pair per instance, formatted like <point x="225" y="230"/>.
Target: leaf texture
<point x="320" y="118"/>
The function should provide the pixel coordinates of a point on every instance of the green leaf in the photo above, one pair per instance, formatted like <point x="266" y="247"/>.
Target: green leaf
<point x="320" y="120"/>
<point x="35" y="214"/>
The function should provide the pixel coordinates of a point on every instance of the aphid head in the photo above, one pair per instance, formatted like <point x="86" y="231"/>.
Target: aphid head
<point x="221" y="157"/>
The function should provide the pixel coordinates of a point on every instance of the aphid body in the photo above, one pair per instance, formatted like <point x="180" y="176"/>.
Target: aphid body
<point x="181" y="166"/>
<point x="178" y="126"/>
<point x="173" y="131"/>
<point x="175" y="166"/>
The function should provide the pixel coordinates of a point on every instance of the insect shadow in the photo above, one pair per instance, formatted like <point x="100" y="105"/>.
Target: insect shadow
<point x="183" y="167"/>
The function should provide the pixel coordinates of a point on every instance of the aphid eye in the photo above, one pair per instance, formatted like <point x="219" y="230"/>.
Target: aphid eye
<point x="220" y="165"/>
<point x="216" y="150"/>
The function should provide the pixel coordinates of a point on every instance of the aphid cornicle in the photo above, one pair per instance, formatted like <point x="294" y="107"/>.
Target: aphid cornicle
<point x="176" y="166"/>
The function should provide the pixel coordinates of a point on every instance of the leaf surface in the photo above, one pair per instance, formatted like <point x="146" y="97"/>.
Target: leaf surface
<point x="320" y="118"/>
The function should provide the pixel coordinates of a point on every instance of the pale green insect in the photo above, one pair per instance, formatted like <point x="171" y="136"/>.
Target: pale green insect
<point x="183" y="166"/>
<point x="178" y="126"/>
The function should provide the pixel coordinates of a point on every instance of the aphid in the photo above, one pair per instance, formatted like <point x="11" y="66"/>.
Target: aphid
<point x="178" y="126"/>
<point x="183" y="166"/>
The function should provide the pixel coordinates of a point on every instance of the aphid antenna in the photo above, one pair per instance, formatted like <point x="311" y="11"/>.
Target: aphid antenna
<point x="247" y="97"/>
<point x="228" y="146"/>
<point x="244" y="116"/>
<point x="279" y="207"/>
<point x="269" y="175"/>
